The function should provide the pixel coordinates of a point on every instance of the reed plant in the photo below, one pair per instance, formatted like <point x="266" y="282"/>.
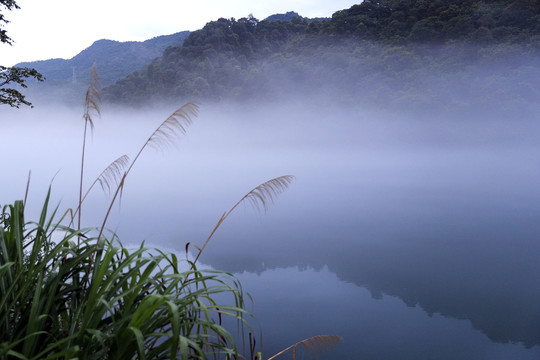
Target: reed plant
<point x="68" y="292"/>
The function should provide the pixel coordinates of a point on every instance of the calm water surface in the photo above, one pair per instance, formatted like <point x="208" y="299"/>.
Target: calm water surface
<point x="409" y="239"/>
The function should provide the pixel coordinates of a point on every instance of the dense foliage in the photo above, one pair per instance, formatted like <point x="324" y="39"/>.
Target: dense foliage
<point x="439" y="21"/>
<point x="390" y="52"/>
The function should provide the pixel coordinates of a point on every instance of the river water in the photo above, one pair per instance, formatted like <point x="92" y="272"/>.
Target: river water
<point x="409" y="238"/>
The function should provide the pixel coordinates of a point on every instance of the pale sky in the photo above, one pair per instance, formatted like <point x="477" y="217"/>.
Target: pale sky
<point x="44" y="29"/>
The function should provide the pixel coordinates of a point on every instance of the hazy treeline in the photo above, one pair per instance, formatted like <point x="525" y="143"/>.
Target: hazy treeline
<point x="440" y="55"/>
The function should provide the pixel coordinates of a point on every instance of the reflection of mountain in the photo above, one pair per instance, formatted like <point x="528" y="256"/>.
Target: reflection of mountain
<point x="468" y="256"/>
<point x="372" y="329"/>
<point x="495" y="288"/>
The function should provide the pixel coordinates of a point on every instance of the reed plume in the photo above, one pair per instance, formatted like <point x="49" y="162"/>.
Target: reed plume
<point x="174" y="126"/>
<point x="266" y="193"/>
<point x="165" y="134"/>
<point x="92" y="100"/>
<point x="314" y="344"/>
<point x="91" y="106"/>
<point x="111" y="175"/>
<point x="259" y="196"/>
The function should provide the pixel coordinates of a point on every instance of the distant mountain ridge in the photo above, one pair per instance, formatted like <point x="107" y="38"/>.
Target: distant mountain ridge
<point x="114" y="60"/>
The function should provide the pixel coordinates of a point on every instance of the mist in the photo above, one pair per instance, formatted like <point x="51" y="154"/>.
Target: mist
<point x="410" y="230"/>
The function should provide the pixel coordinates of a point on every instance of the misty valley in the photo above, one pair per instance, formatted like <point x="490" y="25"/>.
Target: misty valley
<point x="411" y="228"/>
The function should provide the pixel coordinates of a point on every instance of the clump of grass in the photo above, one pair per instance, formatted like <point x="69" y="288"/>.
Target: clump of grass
<point x="72" y="293"/>
<point x="135" y="303"/>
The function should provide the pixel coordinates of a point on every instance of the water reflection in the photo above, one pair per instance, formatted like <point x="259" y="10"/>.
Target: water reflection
<point x="293" y="304"/>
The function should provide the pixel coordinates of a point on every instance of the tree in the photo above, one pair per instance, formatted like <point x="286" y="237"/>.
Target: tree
<point x="13" y="75"/>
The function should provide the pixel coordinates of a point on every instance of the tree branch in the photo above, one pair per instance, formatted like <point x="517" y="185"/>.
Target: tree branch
<point x="16" y="75"/>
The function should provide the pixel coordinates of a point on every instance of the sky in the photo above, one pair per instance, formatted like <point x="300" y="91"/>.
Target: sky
<point x="62" y="28"/>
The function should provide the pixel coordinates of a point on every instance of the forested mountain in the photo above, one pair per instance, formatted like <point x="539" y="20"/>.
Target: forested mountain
<point x="439" y="20"/>
<point x="415" y="52"/>
<point x="114" y="60"/>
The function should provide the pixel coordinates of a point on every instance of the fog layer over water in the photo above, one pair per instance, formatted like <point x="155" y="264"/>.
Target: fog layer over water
<point x="409" y="237"/>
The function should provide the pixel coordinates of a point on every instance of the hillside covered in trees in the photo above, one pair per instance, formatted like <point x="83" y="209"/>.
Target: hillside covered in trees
<point x="437" y="54"/>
